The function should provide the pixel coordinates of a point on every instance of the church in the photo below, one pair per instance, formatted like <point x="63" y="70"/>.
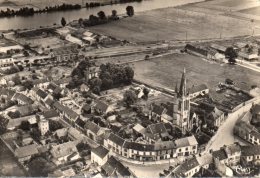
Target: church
<point x="177" y="112"/>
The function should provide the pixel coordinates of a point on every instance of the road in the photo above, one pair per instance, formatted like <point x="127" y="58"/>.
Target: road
<point x="224" y="135"/>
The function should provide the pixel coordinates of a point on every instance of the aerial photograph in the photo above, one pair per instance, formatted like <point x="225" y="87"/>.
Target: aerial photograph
<point x="129" y="88"/>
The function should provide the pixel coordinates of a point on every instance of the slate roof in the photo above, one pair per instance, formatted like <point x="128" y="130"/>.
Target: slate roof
<point x="256" y="109"/>
<point x="100" y="151"/>
<point x="80" y="123"/>
<point x="220" y="154"/>
<point x="157" y="128"/>
<point x="49" y="101"/>
<point x="113" y="166"/>
<point x="186" y="166"/>
<point x="50" y="114"/>
<point x="92" y="127"/>
<point x="101" y="106"/>
<point x="41" y="94"/>
<point x="116" y="139"/>
<point x="22" y="97"/>
<point x="251" y="150"/>
<point x="72" y="114"/>
<point x="138" y="146"/>
<point x="159" y="110"/>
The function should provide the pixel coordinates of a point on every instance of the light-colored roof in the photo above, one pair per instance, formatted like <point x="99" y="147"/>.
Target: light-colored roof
<point x="64" y="149"/>
<point x="16" y="122"/>
<point x="25" y="151"/>
<point x="139" y="128"/>
<point x="187" y="141"/>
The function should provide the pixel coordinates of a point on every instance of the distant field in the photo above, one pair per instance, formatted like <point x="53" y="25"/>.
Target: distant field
<point x="172" y="24"/>
<point x="166" y="71"/>
<point x="253" y="11"/>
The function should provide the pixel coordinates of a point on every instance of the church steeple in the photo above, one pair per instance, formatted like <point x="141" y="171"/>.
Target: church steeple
<point x="183" y="86"/>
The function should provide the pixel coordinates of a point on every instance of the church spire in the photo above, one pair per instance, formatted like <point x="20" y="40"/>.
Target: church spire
<point x="183" y="87"/>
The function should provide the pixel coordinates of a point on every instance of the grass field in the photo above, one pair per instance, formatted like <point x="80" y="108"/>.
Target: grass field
<point x="166" y="71"/>
<point x="253" y="11"/>
<point x="172" y="24"/>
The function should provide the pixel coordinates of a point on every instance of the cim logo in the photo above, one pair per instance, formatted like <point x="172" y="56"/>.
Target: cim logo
<point x="243" y="171"/>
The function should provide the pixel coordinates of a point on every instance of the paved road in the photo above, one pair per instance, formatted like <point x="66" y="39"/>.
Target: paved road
<point x="224" y="135"/>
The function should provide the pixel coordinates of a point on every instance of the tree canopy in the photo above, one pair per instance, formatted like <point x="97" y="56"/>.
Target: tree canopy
<point x="130" y="11"/>
<point x="130" y="97"/>
<point x="231" y="54"/>
<point x="63" y="22"/>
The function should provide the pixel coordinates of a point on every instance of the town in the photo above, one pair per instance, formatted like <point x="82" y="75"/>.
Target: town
<point x="79" y="100"/>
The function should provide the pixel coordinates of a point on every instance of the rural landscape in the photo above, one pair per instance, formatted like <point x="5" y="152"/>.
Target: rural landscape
<point x="130" y="88"/>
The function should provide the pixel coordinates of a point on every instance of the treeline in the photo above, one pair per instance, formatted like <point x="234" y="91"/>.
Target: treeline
<point x="97" y="4"/>
<point x="26" y="11"/>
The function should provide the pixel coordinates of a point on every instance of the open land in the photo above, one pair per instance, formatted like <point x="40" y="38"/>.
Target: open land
<point x="166" y="72"/>
<point x="175" y="24"/>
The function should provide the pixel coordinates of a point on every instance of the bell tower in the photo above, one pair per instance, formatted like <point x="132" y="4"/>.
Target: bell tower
<point x="182" y="110"/>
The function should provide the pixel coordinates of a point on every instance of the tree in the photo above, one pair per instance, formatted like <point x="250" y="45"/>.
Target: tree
<point x="25" y="125"/>
<point x="82" y="146"/>
<point x="54" y="125"/>
<point x="16" y="79"/>
<point x="101" y="15"/>
<point x="114" y="13"/>
<point x="40" y="167"/>
<point x="130" y="97"/>
<point x="146" y="91"/>
<point x="63" y="22"/>
<point x="231" y="54"/>
<point x="130" y="11"/>
<point x="28" y="84"/>
<point x="80" y="21"/>
<point x="129" y="74"/>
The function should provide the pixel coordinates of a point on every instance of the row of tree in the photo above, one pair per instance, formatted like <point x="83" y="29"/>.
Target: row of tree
<point x="26" y="11"/>
<point x="98" y="4"/>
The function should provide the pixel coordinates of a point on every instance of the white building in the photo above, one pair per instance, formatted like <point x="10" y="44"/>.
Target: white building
<point x="43" y="126"/>
<point x="99" y="155"/>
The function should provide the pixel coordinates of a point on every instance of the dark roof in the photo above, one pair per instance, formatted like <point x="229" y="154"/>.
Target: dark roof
<point x="251" y="150"/>
<point x="256" y="109"/>
<point x="72" y="114"/>
<point x="158" y="109"/>
<point x="49" y="101"/>
<point x="39" y="81"/>
<point x="101" y="106"/>
<point x="100" y="151"/>
<point x="22" y="97"/>
<point x="113" y="166"/>
<point x="58" y="106"/>
<point x="157" y="128"/>
<point x="80" y="123"/>
<point x="196" y="49"/>
<point x="138" y="146"/>
<point x="186" y="166"/>
<point x="41" y="94"/>
<point x="220" y="154"/>
<point x="116" y="139"/>
<point x="50" y="114"/>
<point x="92" y="127"/>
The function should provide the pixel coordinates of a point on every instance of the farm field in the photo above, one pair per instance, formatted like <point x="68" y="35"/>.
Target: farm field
<point x="253" y="11"/>
<point x="174" y="24"/>
<point x="166" y="71"/>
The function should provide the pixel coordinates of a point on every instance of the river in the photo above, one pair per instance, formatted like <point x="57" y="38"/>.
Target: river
<point x="46" y="19"/>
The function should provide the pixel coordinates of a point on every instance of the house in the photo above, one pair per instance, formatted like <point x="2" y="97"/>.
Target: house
<point x="251" y="154"/>
<point x="215" y="117"/>
<point x="198" y="90"/>
<point x="255" y="115"/>
<point x="114" y="168"/>
<point x="61" y="153"/>
<point x="156" y="112"/>
<point x="64" y="54"/>
<point x="233" y="153"/>
<point x="63" y="82"/>
<point x="51" y="114"/>
<point x="26" y="152"/>
<point x="49" y="102"/>
<point x="22" y="99"/>
<point x="186" y="146"/>
<point x="43" y="125"/>
<point x="39" y="94"/>
<point x="15" y="123"/>
<point x="99" y="155"/>
<point x="219" y="48"/>
<point x="94" y="132"/>
<point x="248" y="56"/>
<point x="220" y="155"/>
<point x="91" y="72"/>
<point x="86" y="109"/>
<point x="187" y="169"/>
<point x="205" y="160"/>
<point x="102" y="108"/>
<point x="84" y="88"/>
<point x="156" y="132"/>
<point x="139" y="129"/>
<point x="198" y="51"/>
<point x="246" y="131"/>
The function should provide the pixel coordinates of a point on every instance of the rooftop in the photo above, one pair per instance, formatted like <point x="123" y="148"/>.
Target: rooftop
<point x="100" y="151"/>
